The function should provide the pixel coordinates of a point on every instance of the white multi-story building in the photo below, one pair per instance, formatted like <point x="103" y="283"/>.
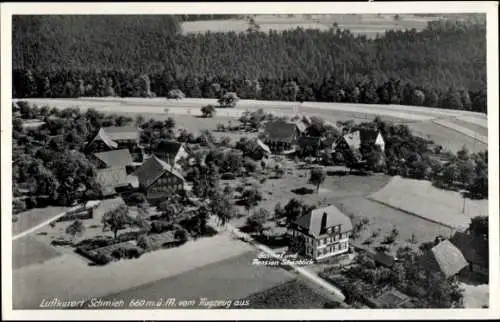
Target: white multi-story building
<point x="322" y="233"/>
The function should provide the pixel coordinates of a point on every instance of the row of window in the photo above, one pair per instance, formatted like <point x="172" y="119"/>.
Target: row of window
<point x="331" y="239"/>
<point x="332" y="249"/>
<point x="164" y="187"/>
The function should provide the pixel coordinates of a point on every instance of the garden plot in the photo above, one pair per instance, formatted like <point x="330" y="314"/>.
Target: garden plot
<point x="382" y="219"/>
<point x="422" y="199"/>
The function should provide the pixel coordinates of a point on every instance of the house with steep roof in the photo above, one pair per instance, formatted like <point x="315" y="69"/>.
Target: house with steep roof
<point x="281" y="135"/>
<point x="158" y="179"/>
<point x="114" y="138"/>
<point x="475" y="251"/>
<point x="111" y="180"/>
<point x="309" y="145"/>
<point x="321" y="233"/>
<point x="350" y="144"/>
<point x="172" y="152"/>
<point x="112" y="159"/>
<point x="444" y="259"/>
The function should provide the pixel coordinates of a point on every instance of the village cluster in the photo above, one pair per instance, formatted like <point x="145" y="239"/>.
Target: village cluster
<point x="161" y="195"/>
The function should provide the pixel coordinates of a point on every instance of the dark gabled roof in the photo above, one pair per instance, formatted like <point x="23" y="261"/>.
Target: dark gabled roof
<point x="167" y="149"/>
<point x="309" y="141"/>
<point x="444" y="258"/>
<point x="469" y="246"/>
<point x="104" y="137"/>
<point x="383" y="258"/>
<point x="152" y="169"/>
<point x="111" y="178"/>
<point x="311" y="222"/>
<point x="368" y="136"/>
<point x="168" y="146"/>
<point x="280" y="130"/>
<point x="115" y="158"/>
<point x="122" y="132"/>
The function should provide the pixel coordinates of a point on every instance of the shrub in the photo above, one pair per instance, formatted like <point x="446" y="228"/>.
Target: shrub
<point x="136" y="198"/>
<point x="161" y="226"/>
<point x="119" y="253"/>
<point x="228" y="176"/>
<point x="144" y="242"/>
<point x="250" y="165"/>
<point x="382" y="249"/>
<point x="102" y="259"/>
<point x="18" y="206"/>
<point x="133" y="252"/>
<point x="181" y="234"/>
<point x="124" y="237"/>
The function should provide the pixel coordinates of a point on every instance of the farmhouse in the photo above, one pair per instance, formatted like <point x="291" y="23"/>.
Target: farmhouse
<point x="111" y="180"/>
<point x="322" y="233"/>
<point x="470" y="247"/>
<point x="264" y="150"/>
<point x="309" y="145"/>
<point x="114" y="137"/>
<point x="172" y="152"/>
<point x="281" y="135"/>
<point x="444" y="259"/>
<point x="112" y="159"/>
<point x="350" y="144"/>
<point x="158" y="179"/>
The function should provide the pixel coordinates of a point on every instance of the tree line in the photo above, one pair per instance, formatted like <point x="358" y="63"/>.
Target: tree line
<point x="442" y="66"/>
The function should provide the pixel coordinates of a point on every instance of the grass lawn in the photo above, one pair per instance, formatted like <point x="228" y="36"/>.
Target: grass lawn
<point x="27" y="251"/>
<point x="230" y="279"/>
<point x="382" y="219"/>
<point x="421" y="198"/>
<point x="33" y="217"/>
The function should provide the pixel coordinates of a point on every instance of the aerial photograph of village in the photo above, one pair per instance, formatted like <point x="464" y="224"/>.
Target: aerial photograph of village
<point x="257" y="161"/>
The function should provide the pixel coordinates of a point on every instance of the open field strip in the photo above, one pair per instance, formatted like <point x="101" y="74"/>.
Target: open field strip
<point x="463" y="130"/>
<point x="481" y="121"/>
<point x="29" y="251"/>
<point x="368" y="26"/>
<point x="440" y="206"/>
<point x="410" y="112"/>
<point x="230" y="279"/>
<point x="69" y="278"/>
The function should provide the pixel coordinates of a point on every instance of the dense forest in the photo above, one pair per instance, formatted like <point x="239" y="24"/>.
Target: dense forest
<point x="69" y="56"/>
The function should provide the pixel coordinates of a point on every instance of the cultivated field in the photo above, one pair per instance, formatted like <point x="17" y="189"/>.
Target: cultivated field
<point x="294" y="294"/>
<point x="419" y="197"/>
<point x="369" y="25"/>
<point x="420" y="119"/>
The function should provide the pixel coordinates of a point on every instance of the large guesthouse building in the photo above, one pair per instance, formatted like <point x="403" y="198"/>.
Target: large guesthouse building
<point x="321" y="233"/>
